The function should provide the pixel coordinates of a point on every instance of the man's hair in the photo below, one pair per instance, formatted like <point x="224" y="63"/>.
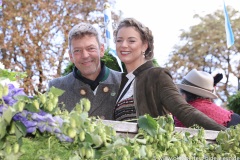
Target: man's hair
<point x="145" y="33"/>
<point x="82" y="29"/>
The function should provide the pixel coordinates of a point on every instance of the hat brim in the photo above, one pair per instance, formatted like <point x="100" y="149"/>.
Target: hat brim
<point x="197" y="91"/>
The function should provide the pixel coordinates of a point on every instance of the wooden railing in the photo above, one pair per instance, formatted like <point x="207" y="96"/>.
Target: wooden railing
<point x="130" y="129"/>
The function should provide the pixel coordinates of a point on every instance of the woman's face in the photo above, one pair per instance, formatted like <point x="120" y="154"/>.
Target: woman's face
<point x="130" y="48"/>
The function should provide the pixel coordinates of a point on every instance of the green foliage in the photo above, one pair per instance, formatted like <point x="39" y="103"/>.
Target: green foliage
<point x="234" y="103"/>
<point x="148" y="124"/>
<point x="11" y="75"/>
<point x="111" y="62"/>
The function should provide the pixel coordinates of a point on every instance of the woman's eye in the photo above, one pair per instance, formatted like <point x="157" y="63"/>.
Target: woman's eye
<point x="119" y="40"/>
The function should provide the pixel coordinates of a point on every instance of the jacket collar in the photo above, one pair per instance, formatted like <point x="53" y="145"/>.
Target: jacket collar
<point x="145" y="66"/>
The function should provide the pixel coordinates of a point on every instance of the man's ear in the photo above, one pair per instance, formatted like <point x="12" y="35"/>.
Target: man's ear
<point x="70" y="56"/>
<point x="102" y="50"/>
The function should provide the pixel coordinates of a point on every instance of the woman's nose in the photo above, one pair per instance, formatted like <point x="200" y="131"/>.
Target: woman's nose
<point x="124" y="44"/>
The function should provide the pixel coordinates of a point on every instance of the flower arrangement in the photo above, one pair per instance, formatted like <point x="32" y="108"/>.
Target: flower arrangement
<point x="36" y="128"/>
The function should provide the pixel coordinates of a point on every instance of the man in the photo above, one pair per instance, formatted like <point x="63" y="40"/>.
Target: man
<point x="90" y="77"/>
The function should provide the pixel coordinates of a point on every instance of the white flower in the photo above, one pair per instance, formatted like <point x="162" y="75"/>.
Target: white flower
<point x="2" y="66"/>
<point x="6" y="81"/>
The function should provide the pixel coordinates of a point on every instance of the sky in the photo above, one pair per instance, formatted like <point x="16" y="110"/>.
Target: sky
<point x="167" y="18"/>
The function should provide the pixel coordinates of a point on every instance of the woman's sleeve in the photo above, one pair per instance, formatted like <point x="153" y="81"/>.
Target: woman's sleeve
<point x="172" y="100"/>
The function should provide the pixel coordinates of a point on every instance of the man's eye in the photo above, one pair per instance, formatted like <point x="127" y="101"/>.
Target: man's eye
<point x="77" y="51"/>
<point x="91" y="49"/>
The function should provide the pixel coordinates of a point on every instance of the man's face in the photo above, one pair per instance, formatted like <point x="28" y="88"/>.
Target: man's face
<point x="85" y="54"/>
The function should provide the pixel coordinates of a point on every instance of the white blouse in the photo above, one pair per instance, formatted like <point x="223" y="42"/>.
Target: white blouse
<point x="129" y="93"/>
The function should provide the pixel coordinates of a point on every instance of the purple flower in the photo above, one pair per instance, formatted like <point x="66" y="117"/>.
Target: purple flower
<point x="63" y="137"/>
<point x="42" y="127"/>
<point x="13" y="92"/>
<point x="58" y="120"/>
<point x="2" y="109"/>
<point x="57" y="130"/>
<point x="37" y="117"/>
<point x="49" y="129"/>
<point x="42" y="113"/>
<point x="28" y="124"/>
<point x="19" y="117"/>
<point x="31" y="129"/>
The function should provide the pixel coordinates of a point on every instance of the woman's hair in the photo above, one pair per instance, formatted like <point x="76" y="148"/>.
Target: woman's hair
<point x="190" y="96"/>
<point x="145" y="33"/>
<point x="82" y="29"/>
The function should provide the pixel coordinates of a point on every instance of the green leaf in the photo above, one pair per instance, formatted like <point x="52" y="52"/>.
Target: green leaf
<point x="3" y="126"/>
<point x="56" y="91"/>
<point x="148" y="124"/>
<point x="7" y="115"/>
<point x="83" y="116"/>
<point x="119" y="142"/>
<point x="30" y="107"/>
<point x="11" y="75"/>
<point x="21" y="97"/>
<point x="97" y="140"/>
<point x="142" y="151"/>
<point x="21" y="130"/>
<point x="88" y="138"/>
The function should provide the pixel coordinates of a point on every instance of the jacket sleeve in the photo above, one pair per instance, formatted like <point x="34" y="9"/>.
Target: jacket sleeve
<point x="173" y="101"/>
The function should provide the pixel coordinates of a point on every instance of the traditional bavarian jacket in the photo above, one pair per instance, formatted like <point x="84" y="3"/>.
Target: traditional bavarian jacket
<point x="156" y="94"/>
<point x="102" y="99"/>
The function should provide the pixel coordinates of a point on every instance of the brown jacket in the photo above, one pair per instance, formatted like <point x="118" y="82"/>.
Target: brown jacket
<point x="156" y="94"/>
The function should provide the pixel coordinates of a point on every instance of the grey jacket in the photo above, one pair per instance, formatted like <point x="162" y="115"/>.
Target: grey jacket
<point x="102" y="104"/>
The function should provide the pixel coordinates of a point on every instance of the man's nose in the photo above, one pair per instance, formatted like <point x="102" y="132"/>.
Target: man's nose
<point x="85" y="53"/>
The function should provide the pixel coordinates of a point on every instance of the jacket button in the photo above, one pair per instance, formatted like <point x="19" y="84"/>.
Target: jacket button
<point x="105" y="89"/>
<point x="82" y="92"/>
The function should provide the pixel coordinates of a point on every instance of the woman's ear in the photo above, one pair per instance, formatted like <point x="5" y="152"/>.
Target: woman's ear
<point x="145" y="46"/>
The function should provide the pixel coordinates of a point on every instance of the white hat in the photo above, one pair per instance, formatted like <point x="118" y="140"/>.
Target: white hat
<point x="199" y="83"/>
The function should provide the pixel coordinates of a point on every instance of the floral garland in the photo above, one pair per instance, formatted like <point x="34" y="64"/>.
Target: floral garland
<point x="40" y="116"/>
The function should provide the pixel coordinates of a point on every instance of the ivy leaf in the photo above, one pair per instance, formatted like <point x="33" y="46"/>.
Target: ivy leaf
<point x="148" y="124"/>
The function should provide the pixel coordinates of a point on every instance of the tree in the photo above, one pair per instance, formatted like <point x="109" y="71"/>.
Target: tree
<point x="234" y="103"/>
<point x="204" y="47"/>
<point x="33" y="36"/>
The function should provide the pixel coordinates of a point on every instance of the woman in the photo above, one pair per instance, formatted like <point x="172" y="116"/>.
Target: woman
<point x="146" y="89"/>
<point x="197" y="87"/>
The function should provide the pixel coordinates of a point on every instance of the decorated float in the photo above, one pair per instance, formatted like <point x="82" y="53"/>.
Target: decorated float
<point x="34" y="127"/>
